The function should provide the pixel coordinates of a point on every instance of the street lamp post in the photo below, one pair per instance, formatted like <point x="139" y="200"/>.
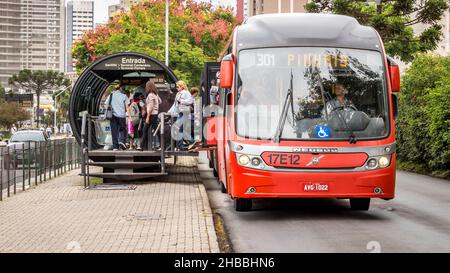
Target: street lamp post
<point x="167" y="33"/>
<point x="54" y="101"/>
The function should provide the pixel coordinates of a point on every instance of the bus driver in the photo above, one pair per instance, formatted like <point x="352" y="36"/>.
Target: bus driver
<point x="339" y="102"/>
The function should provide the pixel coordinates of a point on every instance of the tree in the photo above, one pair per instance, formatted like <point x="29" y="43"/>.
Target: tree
<point x="197" y="34"/>
<point x="39" y="81"/>
<point x="2" y="93"/>
<point x="12" y="113"/>
<point x="423" y="123"/>
<point x="63" y="107"/>
<point x="48" y="118"/>
<point x="393" y="20"/>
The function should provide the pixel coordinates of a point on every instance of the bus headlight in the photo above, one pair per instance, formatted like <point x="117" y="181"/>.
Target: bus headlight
<point x="383" y="161"/>
<point x="372" y="164"/>
<point x="250" y="161"/>
<point x="256" y="161"/>
<point x="244" y="160"/>
<point x="378" y="162"/>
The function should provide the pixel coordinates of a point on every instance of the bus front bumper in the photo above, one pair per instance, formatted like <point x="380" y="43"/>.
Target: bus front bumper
<point x="254" y="183"/>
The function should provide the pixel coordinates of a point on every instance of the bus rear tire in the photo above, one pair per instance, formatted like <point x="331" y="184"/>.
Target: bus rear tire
<point x="222" y="188"/>
<point x="215" y="173"/>
<point x="360" y="203"/>
<point x="211" y="164"/>
<point x="243" y="204"/>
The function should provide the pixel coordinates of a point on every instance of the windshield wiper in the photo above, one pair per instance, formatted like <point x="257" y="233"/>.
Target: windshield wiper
<point x="327" y="97"/>
<point x="289" y="100"/>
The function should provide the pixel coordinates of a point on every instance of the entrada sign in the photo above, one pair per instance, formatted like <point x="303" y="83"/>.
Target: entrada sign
<point x="133" y="61"/>
<point x="128" y="63"/>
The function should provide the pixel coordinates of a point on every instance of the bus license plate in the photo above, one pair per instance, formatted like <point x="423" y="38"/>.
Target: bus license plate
<point x="316" y="187"/>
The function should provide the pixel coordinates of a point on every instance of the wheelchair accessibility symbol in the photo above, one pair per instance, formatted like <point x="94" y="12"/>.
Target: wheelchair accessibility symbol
<point x="322" y="132"/>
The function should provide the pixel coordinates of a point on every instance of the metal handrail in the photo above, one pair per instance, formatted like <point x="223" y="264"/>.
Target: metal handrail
<point x="20" y="164"/>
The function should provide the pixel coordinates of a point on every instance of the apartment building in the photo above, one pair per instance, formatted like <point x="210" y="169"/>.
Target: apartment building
<point x="256" y="7"/>
<point x="31" y="36"/>
<point x="79" y="19"/>
<point x="123" y="5"/>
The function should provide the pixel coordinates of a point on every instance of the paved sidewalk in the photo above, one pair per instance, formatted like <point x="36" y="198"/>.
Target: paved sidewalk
<point x="169" y="215"/>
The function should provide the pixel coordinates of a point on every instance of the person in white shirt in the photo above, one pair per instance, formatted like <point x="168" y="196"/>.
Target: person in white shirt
<point x="182" y="108"/>
<point x="213" y="93"/>
<point x="118" y="123"/>
<point x="13" y="129"/>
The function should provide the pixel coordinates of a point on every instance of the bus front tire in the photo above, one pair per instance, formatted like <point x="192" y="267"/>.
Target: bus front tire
<point x="243" y="204"/>
<point x="360" y="203"/>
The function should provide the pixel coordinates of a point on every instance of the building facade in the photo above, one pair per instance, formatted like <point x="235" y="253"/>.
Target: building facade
<point x="240" y="15"/>
<point x="79" y="18"/>
<point x="123" y="5"/>
<point x="31" y="36"/>
<point x="256" y="7"/>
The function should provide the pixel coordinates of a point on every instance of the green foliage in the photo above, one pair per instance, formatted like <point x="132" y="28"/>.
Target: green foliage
<point x="438" y="112"/>
<point x="393" y="20"/>
<point x="2" y="93"/>
<point x="197" y="34"/>
<point x="48" y="118"/>
<point x="39" y="81"/>
<point x="420" y="168"/>
<point x="11" y="113"/>
<point x="63" y="107"/>
<point x="423" y="124"/>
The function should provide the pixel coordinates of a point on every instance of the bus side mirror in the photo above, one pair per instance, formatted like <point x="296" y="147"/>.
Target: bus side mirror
<point x="395" y="105"/>
<point x="226" y="72"/>
<point x="394" y="73"/>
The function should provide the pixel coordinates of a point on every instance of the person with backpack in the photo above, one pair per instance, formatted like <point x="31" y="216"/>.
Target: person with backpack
<point x="151" y="118"/>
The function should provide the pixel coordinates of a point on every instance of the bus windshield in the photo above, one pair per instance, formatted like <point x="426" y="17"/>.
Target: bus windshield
<point x="316" y="93"/>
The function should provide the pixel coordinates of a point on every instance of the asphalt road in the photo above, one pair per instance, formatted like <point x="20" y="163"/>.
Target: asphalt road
<point x="15" y="175"/>
<point x="417" y="220"/>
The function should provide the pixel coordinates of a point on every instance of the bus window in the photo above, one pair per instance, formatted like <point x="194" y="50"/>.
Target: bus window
<point x="342" y="91"/>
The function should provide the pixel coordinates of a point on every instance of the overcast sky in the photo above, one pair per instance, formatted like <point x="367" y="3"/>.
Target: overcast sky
<point x="101" y="8"/>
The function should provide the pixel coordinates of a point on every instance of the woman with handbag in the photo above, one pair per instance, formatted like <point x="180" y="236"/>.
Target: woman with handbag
<point x="151" y="119"/>
<point x="182" y="108"/>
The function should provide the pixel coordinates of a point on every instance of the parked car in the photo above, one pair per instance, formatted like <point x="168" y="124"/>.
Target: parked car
<point x="3" y="143"/>
<point x="22" y="145"/>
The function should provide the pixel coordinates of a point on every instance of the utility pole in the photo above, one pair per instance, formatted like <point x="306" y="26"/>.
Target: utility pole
<point x="167" y="33"/>
<point x="379" y="7"/>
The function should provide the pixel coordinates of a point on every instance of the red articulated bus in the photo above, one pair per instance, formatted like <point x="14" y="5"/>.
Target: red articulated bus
<point x="306" y="109"/>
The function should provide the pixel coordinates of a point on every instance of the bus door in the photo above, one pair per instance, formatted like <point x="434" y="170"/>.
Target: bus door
<point x="210" y="102"/>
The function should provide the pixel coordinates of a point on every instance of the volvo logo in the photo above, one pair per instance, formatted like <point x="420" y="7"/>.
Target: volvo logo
<point x="315" y="160"/>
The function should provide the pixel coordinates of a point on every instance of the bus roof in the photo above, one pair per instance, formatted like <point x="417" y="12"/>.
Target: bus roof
<point x="306" y="29"/>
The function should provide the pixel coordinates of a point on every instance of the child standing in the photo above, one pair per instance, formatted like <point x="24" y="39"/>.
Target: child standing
<point x="134" y="116"/>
